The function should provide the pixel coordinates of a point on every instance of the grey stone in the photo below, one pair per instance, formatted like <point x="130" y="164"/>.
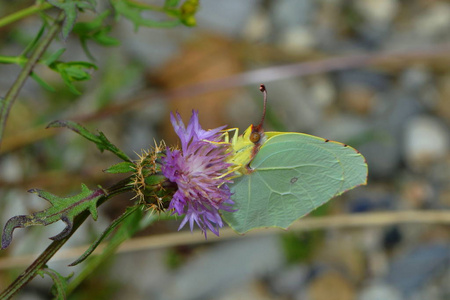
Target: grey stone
<point x="411" y="270"/>
<point x="225" y="266"/>
<point x="289" y="280"/>
<point x="426" y="141"/>
<point x="379" y="291"/>
<point x="289" y="13"/>
<point x="295" y="106"/>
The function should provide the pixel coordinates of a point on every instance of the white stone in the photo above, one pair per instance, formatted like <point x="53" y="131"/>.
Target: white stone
<point x="380" y="291"/>
<point x="297" y="38"/>
<point x="257" y="27"/>
<point x="377" y="11"/>
<point x="322" y="91"/>
<point x="426" y="141"/>
<point x="433" y="21"/>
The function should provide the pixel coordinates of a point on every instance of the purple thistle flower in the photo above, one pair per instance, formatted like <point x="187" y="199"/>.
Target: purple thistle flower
<point x="199" y="170"/>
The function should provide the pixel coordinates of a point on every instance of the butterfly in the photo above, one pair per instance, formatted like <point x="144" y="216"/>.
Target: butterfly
<point x="283" y="176"/>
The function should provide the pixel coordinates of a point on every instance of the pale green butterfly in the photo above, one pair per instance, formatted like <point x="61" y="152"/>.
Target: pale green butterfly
<point x="283" y="176"/>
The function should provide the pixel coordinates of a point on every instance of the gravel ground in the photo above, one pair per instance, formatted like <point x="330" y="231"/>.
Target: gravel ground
<point x="395" y="110"/>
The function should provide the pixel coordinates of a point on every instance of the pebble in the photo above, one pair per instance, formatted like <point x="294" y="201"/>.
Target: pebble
<point x="377" y="16"/>
<point x="434" y="21"/>
<point x="289" y="280"/>
<point x="379" y="291"/>
<point x="253" y="290"/>
<point x="411" y="270"/>
<point x="11" y="167"/>
<point x="225" y="266"/>
<point x="297" y="39"/>
<point x="344" y="253"/>
<point x="144" y="272"/>
<point x="426" y="141"/>
<point x="358" y="99"/>
<point x="289" y="13"/>
<point x="294" y="105"/>
<point x="331" y="285"/>
<point x="417" y="193"/>
<point x="443" y="97"/>
<point x="383" y="155"/>
<point x="377" y="11"/>
<point x="226" y="18"/>
<point x="322" y="90"/>
<point x="257" y="27"/>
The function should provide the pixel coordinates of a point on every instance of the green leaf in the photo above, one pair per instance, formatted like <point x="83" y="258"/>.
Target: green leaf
<point x="71" y="8"/>
<point x="128" y="227"/>
<point x="41" y="82"/>
<point x="171" y="3"/>
<point x="96" y="31"/>
<point x="73" y="71"/>
<point x="64" y="209"/>
<point x="34" y="42"/>
<point x="100" y="140"/>
<point x="60" y="282"/>
<point x="293" y="175"/>
<point x="54" y="57"/>
<point x="133" y="13"/>
<point x="129" y="211"/>
<point x="122" y="167"/>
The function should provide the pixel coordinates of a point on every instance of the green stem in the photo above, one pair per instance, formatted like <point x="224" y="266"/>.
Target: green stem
<point x="7" y="102"/>
<point x="19" y="60"/>
<point x="48" y="253"/>
<point x="41" y="261"/>
<point x="142" y="5"/>
<point x="24" y="13"/>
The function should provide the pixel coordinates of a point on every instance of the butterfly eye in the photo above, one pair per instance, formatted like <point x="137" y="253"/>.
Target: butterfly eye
<point x="255" y="137"/>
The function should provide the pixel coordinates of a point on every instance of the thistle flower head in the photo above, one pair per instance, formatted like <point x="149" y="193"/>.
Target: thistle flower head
<point x="201" y="173"/>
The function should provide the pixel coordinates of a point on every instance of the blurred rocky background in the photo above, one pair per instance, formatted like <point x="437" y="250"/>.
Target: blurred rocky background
<point x="374" y="74"/>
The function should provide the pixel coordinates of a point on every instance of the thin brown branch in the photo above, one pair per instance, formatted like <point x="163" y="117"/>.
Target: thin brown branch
<point x="383" y="60"/>
<point x="356" y="221"/>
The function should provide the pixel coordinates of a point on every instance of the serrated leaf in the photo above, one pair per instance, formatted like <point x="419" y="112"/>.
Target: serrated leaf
<point x="122" y="167"/>
<point x="71" y="8"/>
<point x="100" y="140"/>
<point x="73" y="71"/>
<point x="64" y="209"/>
<point x="129" y="211"/>
<point x="133" y="13"/>
<point x="96" y="31"/>
<point x="60" y="282"/>
<point x="104" y="39"/>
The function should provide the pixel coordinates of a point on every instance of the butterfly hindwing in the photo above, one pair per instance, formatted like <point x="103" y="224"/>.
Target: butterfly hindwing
<point x="293" y="174"/>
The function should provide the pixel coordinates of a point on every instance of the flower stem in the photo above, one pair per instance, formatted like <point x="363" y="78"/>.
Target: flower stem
<point x="41" y="261"/>
<point x="7" y="102"/>
<point x="12" y="60"/>
<point x="24" y="13"/>
<point x="48" y="253"/>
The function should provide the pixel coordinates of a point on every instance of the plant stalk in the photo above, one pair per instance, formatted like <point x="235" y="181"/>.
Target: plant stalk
<point x="7" y="102"/>
<point x="41" y="261"/>
<point x="24" y="13"/>
<point x="118" y="188"/>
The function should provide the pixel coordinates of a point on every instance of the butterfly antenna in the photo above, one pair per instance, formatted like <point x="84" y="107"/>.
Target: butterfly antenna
<point x="263" y="90"/>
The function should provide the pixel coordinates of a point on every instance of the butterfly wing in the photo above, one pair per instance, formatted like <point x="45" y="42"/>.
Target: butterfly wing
<point x="293" y="174"/>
